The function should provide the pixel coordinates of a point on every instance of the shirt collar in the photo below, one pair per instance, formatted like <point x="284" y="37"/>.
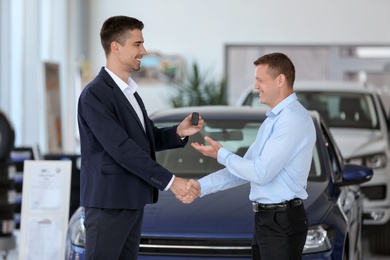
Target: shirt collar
<point x="279" y="107"/>
<point x="131" y="85"/>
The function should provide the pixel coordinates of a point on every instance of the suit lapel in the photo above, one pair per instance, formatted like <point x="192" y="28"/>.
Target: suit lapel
<point x="148" y="127"/>
<point x="123" y="99"/>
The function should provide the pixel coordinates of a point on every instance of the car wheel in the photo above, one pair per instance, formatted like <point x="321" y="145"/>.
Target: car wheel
<point x="7" y="137"/>
<point x="379" y="243"/>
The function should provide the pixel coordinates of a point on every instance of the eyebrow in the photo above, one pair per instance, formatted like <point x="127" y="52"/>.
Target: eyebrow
<point x="138" y="42"/>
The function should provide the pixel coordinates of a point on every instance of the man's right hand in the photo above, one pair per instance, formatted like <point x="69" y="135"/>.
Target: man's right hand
<point x="184" y="191"/>
<point x="191" y="184"/>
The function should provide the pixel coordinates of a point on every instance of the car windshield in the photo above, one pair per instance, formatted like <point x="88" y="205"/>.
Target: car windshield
<point x="349" y="110"/>
<point x="236" y="136"/>
<point x="338" y="109"/>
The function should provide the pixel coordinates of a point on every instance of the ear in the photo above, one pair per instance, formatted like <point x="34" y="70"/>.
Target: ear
<point x="115" y="47"/>
<point x="281" y="79"/>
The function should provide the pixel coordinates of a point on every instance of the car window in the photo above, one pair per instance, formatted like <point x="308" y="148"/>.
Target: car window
<point x="350" y="110"/>
<point x="316" y="173"/>
<point x="253" y="100"/>
<point x="338" y="109"/>
<point x="383" y="111"/>
<point x="236" y="136"/>
<point x="333" y="152"/>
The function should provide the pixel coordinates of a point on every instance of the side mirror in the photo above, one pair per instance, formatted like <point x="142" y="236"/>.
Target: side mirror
<point x="354" y="174"/>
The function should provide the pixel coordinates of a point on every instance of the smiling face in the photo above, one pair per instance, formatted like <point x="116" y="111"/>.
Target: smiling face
<point x="267" y="86"/>
<point x="126" y="53"/>
<point x="130" y="53"/>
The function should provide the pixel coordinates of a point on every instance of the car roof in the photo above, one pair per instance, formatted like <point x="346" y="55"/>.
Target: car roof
<point x="243" y="113"/>
<point x="332" y="86"/>
<point x="327" y="86"/>
<point x="211" y="112"/>
<point x="317" y="86"/>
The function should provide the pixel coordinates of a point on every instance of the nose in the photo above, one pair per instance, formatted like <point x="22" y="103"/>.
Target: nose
<point x="143" y="51"/>
<point x="256" y="85"/>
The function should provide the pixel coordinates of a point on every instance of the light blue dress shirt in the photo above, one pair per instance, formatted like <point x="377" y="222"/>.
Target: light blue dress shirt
<point x="277" y="164"/>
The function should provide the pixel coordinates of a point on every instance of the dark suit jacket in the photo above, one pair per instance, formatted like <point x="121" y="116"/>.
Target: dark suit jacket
<point x="118" y="167"/>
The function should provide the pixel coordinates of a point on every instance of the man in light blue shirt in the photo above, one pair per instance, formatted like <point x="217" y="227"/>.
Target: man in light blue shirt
<point x="276" y="165"/>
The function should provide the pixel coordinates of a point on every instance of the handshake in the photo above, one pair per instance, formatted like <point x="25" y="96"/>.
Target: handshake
<point x="185" y="191"/>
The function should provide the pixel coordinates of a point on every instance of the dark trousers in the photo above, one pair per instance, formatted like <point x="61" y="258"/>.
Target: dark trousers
<point x="112" y="234"/>
<point x="280" y="235"/>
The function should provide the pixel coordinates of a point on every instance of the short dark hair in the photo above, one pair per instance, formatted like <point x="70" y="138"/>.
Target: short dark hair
<point x="117" y="29"/>
<point x="278" y="63"/>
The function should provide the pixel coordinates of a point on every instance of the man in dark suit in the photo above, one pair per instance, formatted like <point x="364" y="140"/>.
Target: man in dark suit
<point x="119" y="174"/>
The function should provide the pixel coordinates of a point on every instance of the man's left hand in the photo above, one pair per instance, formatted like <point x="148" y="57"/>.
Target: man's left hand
<point x="208" y="150"/>
<point x="187" y="129"/>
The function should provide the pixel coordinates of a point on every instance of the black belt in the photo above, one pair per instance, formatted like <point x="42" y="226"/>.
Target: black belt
<point x="278" y="207"/>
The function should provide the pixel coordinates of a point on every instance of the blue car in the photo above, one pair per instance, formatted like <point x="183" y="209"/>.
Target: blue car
<point x="220" y="225"/>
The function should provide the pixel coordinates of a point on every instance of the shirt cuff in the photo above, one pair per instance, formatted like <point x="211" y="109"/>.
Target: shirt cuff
<point x="223" y="155"/>
<point x="182" y="139"/>
<point x="170" y="183"/>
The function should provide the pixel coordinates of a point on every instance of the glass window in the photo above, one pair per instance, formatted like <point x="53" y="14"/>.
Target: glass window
<point x="316" y="167"/>
<point x="236" y="136"/>
<point x="333" y="153"/>
<point x="365" y="52"/>
<point x="338" y="109"/>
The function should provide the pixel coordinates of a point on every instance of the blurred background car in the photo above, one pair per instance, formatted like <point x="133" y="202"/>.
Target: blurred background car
<point x="357" y="119"/>
<point x="220" y="225"/>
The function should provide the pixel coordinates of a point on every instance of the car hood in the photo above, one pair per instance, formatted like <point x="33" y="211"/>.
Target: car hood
<point x="356" y="142"/>
<point x="214" y="213"/>
<point x="223" y="214"/>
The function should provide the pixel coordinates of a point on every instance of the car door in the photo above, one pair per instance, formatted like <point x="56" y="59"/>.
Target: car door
<point x="349" y="199"/>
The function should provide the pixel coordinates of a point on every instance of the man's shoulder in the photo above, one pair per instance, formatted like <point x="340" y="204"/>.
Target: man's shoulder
<point x="296" y="112"/>
<point x="101" y="81"/>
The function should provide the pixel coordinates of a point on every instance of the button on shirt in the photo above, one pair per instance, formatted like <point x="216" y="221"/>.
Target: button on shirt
<point x="277" y="164"/>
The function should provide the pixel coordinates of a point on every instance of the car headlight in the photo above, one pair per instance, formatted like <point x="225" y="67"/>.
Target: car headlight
<point x="373" y="161"/>
<point x="319" y="239"/>
<point x="77" y="233"/>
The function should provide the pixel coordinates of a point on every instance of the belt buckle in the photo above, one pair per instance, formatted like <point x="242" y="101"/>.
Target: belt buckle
<point x="255" y="207"/>
<point x="296" y="203"/>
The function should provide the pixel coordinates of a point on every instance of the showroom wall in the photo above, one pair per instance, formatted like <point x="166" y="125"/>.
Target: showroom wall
<point x="197" y="31"/>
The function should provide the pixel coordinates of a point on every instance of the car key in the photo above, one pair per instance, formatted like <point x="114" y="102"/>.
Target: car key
<point x="195" y="118"/>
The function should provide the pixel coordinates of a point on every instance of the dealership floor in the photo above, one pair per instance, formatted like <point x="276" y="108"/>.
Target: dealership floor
<point x="13" y="254"/>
